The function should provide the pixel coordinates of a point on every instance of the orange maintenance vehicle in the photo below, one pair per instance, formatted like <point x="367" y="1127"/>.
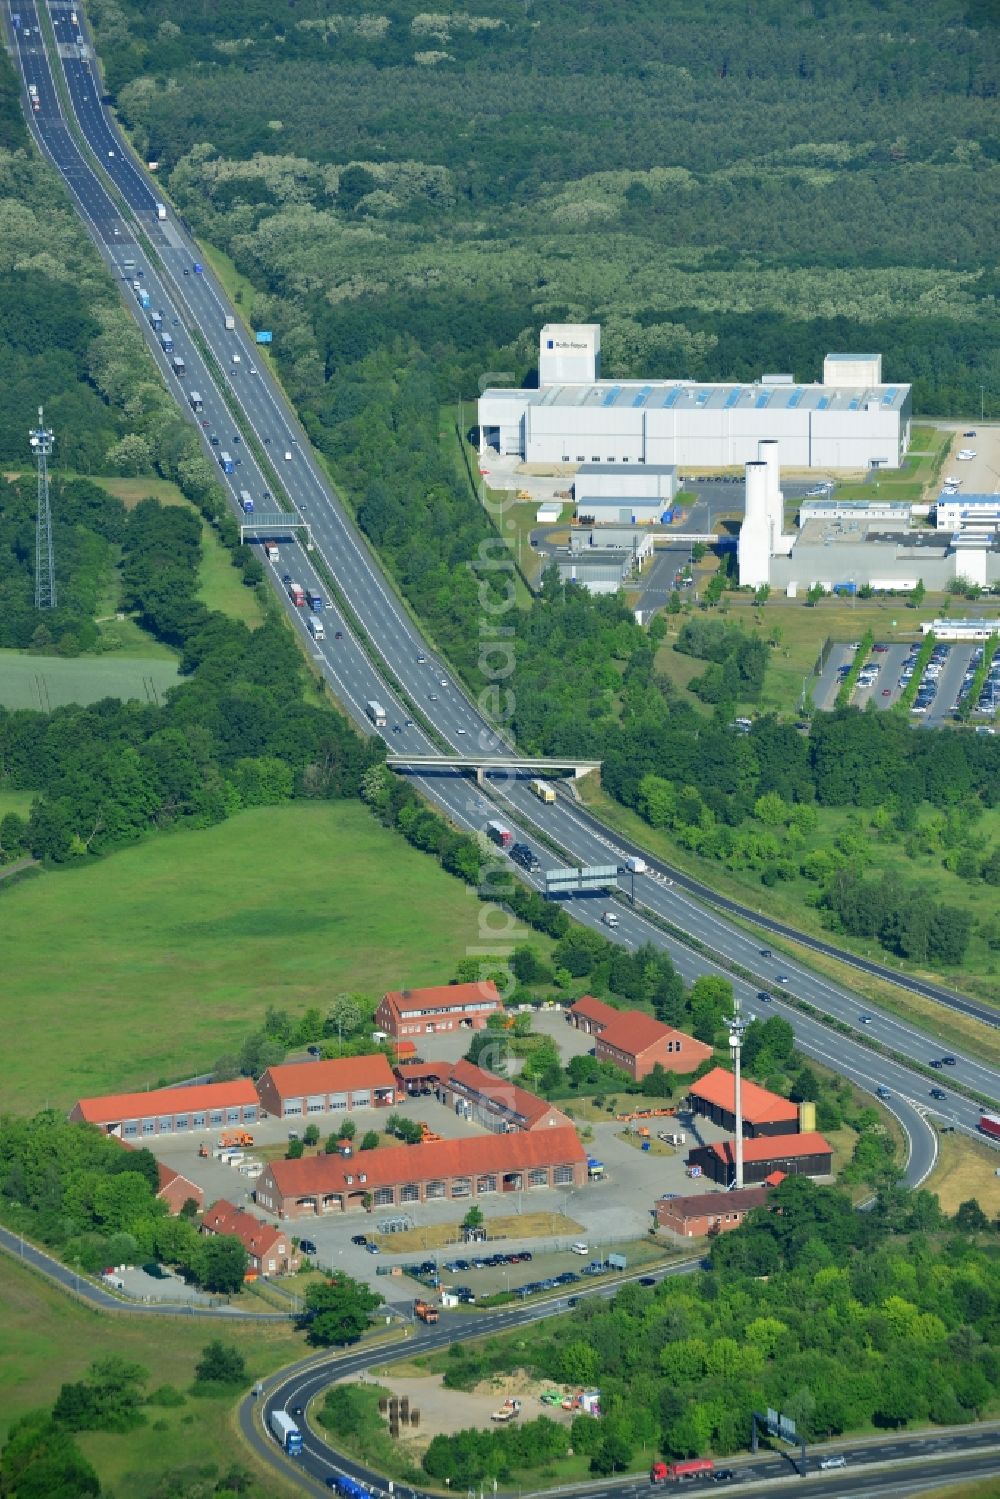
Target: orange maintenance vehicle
<point x="231" y="1137"/>
<point x="425" y="1311"/>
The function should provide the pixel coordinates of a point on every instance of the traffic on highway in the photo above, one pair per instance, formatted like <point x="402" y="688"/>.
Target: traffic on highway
<point x="252" y="421"/>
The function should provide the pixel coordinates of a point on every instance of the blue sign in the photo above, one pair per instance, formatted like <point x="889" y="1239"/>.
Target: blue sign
<point x="263" y="338"/>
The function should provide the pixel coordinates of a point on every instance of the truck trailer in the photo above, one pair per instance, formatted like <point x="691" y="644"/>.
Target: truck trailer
<point x="544" y="791"/>
<point x="197" y="404"/>
<point x="161" y="211"/>
<point x="690" y="1468"/>
<point x="226" y="460"/>
<point x="499" y="834"/>
<point x="286" y="1432"/>
<point x="989" y="1124"/>
<point x="297" y="594"/>
<point x="425" y="1311"/>
<point x="376" y="713"/>
<point x="167" y="343"/>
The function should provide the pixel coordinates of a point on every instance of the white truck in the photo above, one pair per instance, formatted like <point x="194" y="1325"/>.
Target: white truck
<point x="376" y="713"/>
<point x="610" y="918"/>
<point x="161" y="211"/>
<point x="316" y="629"/>
<point x="271" y="551"/>
<point x="635" y="865"/>
<point x="286" y="1433"/>
<point x="230" y="322"/>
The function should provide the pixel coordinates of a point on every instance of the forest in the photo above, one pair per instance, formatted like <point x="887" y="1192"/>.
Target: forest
<point x="844" y="1321"/>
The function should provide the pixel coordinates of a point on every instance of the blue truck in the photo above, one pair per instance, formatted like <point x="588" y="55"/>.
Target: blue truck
<point x="286" y="1432"/>
<point x="228" y="466"/>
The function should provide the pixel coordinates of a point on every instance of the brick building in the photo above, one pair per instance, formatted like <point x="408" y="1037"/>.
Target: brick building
<point x="168" y="1111"/>
<point x="710" y="1212"/>
<point x="795" y="1155"/>
<point x="636" y="1042"/>
<point x="764" y="1113"/>
<point x="446" y="1007"/>
<point x="269" y="1249"/>
<point x="445" y="1169"/>
<point x="494" y="1102"/>
<point x="307" y="1090"/>
<point x="591" y="1015"/>
<point x="176" y="1190"/>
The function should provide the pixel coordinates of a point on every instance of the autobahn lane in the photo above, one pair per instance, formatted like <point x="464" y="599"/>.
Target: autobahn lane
<point x="370" y="597"/>
<point x="345" y="667"/>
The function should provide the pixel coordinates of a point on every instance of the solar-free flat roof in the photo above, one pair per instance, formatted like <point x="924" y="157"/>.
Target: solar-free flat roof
<point x="684" y="395"/>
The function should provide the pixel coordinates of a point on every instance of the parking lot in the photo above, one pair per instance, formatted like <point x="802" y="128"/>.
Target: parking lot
<point x="888" y="670"/>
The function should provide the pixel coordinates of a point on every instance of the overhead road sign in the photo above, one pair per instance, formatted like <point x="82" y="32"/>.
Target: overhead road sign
<point x="263" y="338"/>
<point x="585" y="877"/>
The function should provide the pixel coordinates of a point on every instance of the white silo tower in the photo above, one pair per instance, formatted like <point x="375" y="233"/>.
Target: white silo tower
<point x="767" y="452"/>
<point x="754" y="546"/>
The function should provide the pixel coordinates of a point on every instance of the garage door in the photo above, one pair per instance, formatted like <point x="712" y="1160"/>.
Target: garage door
<point x="361" y="1100"/>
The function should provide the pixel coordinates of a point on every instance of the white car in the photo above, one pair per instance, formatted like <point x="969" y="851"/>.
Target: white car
<point x="966" y="455"/>
<point x="952" y="479"/>
<point x="288" y="455"/>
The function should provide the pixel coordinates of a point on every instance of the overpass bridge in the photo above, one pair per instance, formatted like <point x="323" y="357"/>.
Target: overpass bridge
<point x="485" y="765"/>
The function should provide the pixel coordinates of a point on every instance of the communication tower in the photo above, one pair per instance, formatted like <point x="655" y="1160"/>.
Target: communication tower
<point x="41" y="439"/>
<point x="737" y="1026"/>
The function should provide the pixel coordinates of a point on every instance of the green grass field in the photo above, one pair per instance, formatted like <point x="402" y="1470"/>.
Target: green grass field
<point x="49" y="1338"/>
<point x="152" y="963"/>
<point x="46" y="682"/>
<point x="221" y="585"/>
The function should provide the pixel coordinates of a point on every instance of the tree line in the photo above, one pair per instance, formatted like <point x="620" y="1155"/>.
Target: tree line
<point x="93" y="1202"/>
<point x="841" y="1320"/>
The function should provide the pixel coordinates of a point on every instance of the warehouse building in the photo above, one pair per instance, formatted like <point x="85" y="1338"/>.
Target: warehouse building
<point x="445" y="1007"/>
<point x="637" y="1043"/>
<point x="168" y="1111"/>
<point x="494" y="1102"/>
<point x="841" y="556"/>
<point x="710" y="1212"/>
<point x="714" y="1097"/>
<point x="300" y="1090"/>
<point x="269" y="1250"/>
<point x="602" y="564"/>
<point x="850" y="421"/>
<point x="794" y="1155"/>
<point x="438" y="1171"/>
<point x="962" y="629"/>
<point x="625" y="493"/>
<point x="591" y="1015"/>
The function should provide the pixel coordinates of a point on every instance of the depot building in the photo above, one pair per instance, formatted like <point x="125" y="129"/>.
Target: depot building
<point x="851" y="420"/>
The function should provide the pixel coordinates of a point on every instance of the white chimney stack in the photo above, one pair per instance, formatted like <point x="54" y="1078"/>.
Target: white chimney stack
<point x="767" y="453"/>
<point x="754" y="546"/>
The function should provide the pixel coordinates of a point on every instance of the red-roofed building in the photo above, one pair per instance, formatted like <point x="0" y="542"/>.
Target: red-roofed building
<point x="795" y="1155"/>
<point x="170" y="1111"/>
<point x="304" y="1090"/>
<point x="496" y="1103"/>
<point x="420" y="1079"/>
<point x="176" y="1190"/>
<point x="446" y="1007"/>
<point x="269" y="1249"/>
<point x="591" y="1015"/>
<point x="708" y="1213"/>
<point x="764" y="1113"/>
<point x="399" y="1175"/>
<point x="636" y="1042"/>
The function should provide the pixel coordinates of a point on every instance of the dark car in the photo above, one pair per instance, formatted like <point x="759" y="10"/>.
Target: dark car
<point x="339" y="635"/>
<point x="766" y="952"/>
<point x="236" y="437"/>
<point x="372" y="1248"/>
<point x="970" y="433"/>
<point x="359" y="1239"/>
<point x="781" y="978"/>
<point x="647" y="1280"/>
<point x="723" y="1475"/>
<point x="936" y="1062"/>
<point x="297" y="1411"/>
<point x="938" y="1093"/>
<point x="948" y="1061"/>
<point x="307" y="1246"/>
<point x="763" y="996"/>
<point x="314" y="1051"/>
<point x="214" y="439"/>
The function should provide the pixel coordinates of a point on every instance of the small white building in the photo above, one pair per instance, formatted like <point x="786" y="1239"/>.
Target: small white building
<point x="886" y="512"/>
<point x="959" y="512"/>
<point x="962" y="629"/>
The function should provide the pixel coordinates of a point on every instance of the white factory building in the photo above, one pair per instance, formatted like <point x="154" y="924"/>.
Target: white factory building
<point x="851" y="421"/>
<point x="967" y="512"/>
<point x="625" y="493"/>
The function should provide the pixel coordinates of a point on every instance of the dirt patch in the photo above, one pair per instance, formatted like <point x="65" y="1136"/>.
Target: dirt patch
<point x="443" y="1411"/>
<point x="445" y="1235"/>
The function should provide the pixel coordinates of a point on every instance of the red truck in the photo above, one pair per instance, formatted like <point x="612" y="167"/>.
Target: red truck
<point x="989" y="1124"/>
<point x="297" y="594"/>
<point x="499" y="834"/>
<point x="693" y="1467"/>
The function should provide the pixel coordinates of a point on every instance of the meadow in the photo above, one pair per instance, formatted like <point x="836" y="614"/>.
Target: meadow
<point x="46" y="682"/>
<point x="50" y="1338"/>
<point x="148" y="966"/>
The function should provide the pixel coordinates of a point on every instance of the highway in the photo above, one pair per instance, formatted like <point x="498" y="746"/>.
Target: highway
<point x="192" y="300"/>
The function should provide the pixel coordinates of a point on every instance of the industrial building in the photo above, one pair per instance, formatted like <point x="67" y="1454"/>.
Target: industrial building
<point x="850" y="421"/>
<point x="885" y="512"/>
<point x="591" y="1015"/>
<point x="298" y="1090"/>
<point x="841" y="556"/>
<point x="794" y="1155"/>
<point x="711" y="1212"/>
<point x="962" y="629"/>
<point x="438" y="1171"/>
<point x="714" y="1097"/>
<point x="625" y="493"/>
<point x="444" y="1007"/>
<point x="168" y="1111"/>
<point x="494" y="1102"/>
<point x="960" y="512"/>
<point x="604" y="562"/>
